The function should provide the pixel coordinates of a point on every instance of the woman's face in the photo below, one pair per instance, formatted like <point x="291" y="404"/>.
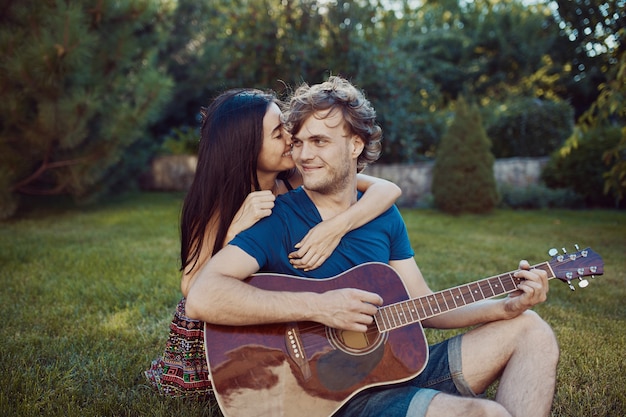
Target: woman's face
<point x="275" y="154"/>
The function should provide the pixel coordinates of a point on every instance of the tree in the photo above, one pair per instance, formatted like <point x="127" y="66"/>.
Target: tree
<point x="413" y="61"/>
<point x="590" y="34"/>
<point x="610" y="110"/>
<point x="80" y="85"/>
<point x="528" y="127"/>
<point x="220" y="44"/>
<point x="463" y="178"/>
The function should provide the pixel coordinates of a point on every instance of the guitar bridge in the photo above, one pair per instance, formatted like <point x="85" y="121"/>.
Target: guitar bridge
<point x="296" y="351"/>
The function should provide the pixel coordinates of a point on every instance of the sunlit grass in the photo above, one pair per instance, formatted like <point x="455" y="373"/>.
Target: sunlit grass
<point x="88" y="294"/>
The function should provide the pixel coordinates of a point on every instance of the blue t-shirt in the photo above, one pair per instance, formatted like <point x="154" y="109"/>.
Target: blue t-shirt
<point x="271" y="239"/>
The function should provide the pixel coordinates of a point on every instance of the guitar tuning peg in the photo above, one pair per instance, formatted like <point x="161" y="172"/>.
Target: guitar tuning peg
<point x="564" y="251"/>
<point x="583" y="282"/>
<point x="571" y="287"/>
<point x="576" y="246"/>
<point x="553" y="252"/>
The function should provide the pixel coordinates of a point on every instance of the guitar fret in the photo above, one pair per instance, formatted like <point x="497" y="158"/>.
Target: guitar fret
<point x="430" y="300"/>
<point x="406" y="308"/>
<point x="392" y="318"/>
<point x="477" y="292"/>
<point x="380" y="319"/>
<point x="385" y="317"/>
<point x="422" y="305"/>
<point x="498" y="285"/>
<point x="394" y="315"/>
<point x="462" y="294"/>
<point x="447" y="297"/>
<point x="400" y="315"/>
<point x="491" y="287"/>
<point x="443" y="307"/>
<point x="479" y="284"/>
<point x="501" y="283"/>
<point x="471" y="293"/>
<point x="458" y="296"/>
<point x="403" y="314"/>
<point x="450" y="299"/>
<point x="486" y="289"/>
<point x="413" y="310"/>
<point x="511" y="281"/>
<point x="443" y="295"/>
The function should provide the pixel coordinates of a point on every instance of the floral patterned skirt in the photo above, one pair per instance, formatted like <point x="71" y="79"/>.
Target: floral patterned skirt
<point x="182" y="371"/>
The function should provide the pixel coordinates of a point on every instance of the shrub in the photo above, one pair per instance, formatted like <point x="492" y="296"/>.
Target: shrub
<point x="181" y="141"/>
<point x="538" y="196"/>
<point x="463" y="179"/>
<point x="529" y="127"/>
<point x="578" y="165"/>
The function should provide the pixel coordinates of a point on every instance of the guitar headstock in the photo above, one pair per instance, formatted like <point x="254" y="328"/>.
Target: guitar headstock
<point x="576" y="265"/>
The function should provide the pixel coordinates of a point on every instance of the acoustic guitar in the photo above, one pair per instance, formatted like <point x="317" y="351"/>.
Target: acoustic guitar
<point x="308" y="369"/>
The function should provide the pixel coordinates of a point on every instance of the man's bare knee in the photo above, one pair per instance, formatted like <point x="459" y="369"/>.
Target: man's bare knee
<point x="450" y="405"/>
<point x="535" y="332"/>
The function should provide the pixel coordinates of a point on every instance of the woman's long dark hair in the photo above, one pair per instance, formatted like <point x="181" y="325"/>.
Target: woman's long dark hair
<point x="230" y="143"/>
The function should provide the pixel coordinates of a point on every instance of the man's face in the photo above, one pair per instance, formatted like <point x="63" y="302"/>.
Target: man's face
<point x="325" y="153"/>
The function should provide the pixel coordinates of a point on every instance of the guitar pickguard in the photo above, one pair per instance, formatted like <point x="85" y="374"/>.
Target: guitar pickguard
<point x="339" y="370"/>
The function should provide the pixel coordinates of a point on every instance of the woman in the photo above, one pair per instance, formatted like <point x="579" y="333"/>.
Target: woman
<point x="244" y="162"/>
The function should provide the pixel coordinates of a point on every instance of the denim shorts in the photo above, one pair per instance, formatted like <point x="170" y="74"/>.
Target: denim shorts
<point x="442" y="374"/>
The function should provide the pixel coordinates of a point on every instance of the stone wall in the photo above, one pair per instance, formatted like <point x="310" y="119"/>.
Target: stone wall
<point x="170" y="173"/>
<point x="415" y="179"/>
<point x="175" y="173"/>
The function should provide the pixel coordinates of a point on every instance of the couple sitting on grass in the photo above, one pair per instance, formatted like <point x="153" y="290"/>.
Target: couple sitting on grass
<point x="249" y="210"/>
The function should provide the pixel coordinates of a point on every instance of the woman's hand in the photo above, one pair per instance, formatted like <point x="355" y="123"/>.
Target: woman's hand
<point x="313" y="250"/>
<point x="257" y="205"/>
<point x="318" y="244"/>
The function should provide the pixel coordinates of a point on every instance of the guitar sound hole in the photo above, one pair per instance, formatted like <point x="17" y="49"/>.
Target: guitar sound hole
<point x="356" y="343"/>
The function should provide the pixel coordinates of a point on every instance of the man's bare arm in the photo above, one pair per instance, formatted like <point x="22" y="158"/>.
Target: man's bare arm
<point x="533" y="290"/>
<point x="219" y="295"/>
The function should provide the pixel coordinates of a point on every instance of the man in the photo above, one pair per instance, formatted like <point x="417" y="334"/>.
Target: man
<point x="334" y="136"/>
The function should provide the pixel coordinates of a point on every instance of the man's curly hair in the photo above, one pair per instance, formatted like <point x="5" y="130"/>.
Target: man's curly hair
<point x="338" y="94"/>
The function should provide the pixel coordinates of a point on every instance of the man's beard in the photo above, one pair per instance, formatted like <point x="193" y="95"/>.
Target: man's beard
<point x="335" y="181"/>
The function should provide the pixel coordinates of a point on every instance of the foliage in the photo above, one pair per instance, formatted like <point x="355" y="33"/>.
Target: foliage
<point x="182" y="141"/>
<point x="90" y="293"/>
<point x="406" y="105"/>
<point x="411" y="61"/>
<point x="538" y="197"/>
<point x="591" y="34"/>
<point x="80" y="86"/>
<point x="529" y="127"/>
<point x="463" y="179"/>
<point x="85" y="88"/>
<point x="610" y="110"/>
<point x="580" y="167"/>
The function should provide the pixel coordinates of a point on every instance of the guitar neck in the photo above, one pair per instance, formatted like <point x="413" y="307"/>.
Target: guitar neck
<point x="400" y="314"/>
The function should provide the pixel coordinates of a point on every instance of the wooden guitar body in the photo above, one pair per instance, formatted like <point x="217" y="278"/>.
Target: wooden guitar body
<point x="305" y="368"/>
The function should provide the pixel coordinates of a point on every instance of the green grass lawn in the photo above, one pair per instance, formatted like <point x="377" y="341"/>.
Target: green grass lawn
<point x="87" y="295"/>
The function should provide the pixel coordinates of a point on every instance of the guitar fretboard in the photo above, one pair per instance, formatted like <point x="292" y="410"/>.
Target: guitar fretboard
<point x="400" y="314"/>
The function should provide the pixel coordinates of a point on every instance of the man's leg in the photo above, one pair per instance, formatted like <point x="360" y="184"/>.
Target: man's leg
<point x="523" y="353"/>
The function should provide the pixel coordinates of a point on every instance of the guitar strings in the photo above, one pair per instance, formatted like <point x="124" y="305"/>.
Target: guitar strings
<point x="319" y="332"/>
